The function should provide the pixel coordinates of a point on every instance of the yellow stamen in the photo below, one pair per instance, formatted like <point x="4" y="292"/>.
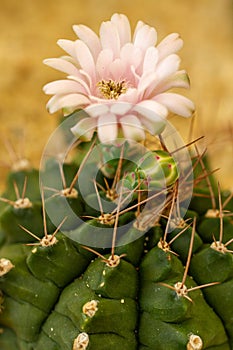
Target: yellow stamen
<point x="111" y="89"/>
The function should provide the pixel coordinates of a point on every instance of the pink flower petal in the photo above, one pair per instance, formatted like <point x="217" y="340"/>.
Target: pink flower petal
<point x="120" y="108"/>
<point x="74" y="100"/>
<point x="53" y="104"/>
<point x="81" y="81"/>
<point x="61" y="65"/>
<point x="178" y="80"/>
<point x="87" y="78"/>
<point x="150" y="60"/>
<point x="132" y="128"/>
<point x="123" y="27"/>
<point x="63" y="87"/>
<point x="167" y="67"/>
<point x="107" y="128"/>
<point x="131" y="96"/>
<point x="96" y="109"/>
<point x="103" y="64"/>
<point x="146" y="80"/>
<point x="150" y="108"/>
<point x="139" y="25"/>
<point x="136" y="76"/>
<point x="68" y="46"/>
<point x="170" y="44"/>
<point x="89" y="37"/>
<point x="131" y="55"/>
<point x="131" y="58"/>
<point x="145" y="37"/>
<point x="176" y="103"/>
<point x="84" y="129"/>
<point x="66" y="101"/>
<point x="152" y="116"/>
<point x="154" y="124"/>
<point x="109" y="38"/>
<point x="85" y="58"/>
<point x="117" y="70"/>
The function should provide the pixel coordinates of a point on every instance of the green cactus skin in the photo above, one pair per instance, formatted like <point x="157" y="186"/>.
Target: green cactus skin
<point x="29" y="287"/>
<point x="12" y="217"/>
<point x="18" y="177"/>
<point x="168" y="319"/>
<point x="210" y="226"/>
<point x="2" y="237"/>
<point x="46" y="264"/>
<point x="58" y="295"/>
<point x="109" y="158"/>
<point x="8" y="339"/>
<point x="53" y="172"/>
<point x="85" y="231"/>
<point x="153" y="236"/>
<point x="92" y="205"/>
<point x="201" y="201"/>
<point x="57" y="204"/>
<point x="219" y="265"/>
<point x="160" y="308"/>
<point x="133" y="250"/>
<point x="181" y="244"/>
<point x="114" y="313"/>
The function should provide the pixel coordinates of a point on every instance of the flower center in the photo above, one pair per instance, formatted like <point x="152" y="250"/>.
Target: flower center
<point x="111" y="89"/>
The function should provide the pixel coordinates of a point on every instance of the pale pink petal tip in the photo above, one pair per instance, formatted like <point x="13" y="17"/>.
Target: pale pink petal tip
<point x="132" y="128"/>
<point x="84" y="129"/>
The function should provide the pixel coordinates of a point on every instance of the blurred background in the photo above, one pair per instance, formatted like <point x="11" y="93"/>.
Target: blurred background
<point x="28" y="34"/>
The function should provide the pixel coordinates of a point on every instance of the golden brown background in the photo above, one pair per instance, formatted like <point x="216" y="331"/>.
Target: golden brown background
<point x="29" y="30"/>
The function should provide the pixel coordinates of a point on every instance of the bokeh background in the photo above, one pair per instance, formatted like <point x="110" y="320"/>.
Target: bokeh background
<point x="29" y="30"/>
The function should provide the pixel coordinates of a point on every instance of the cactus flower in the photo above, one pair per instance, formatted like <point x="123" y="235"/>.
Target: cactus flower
<point x="122" y="80"/>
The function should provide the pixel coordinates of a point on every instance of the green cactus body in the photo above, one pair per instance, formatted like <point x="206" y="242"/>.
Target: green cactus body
<point x="46" y="264"/>
<point x="132" y="244"/>
<point x="32" y="287"/>
<point x="168" y="319"/>
<point x="57" y="295"/>
<point x="65" y="205"/>
<point x="8" y="339"/>
<point x="109" y="158"/>
<point x="92" y="205"/>
<point x="209" y="227"/>
<point x="2" y="236"/>
<point x="107" y="303"/>
<point x="181" y="244"/>
<point x="92" y="229"/>
<point x="16" y="181"/>
<point x="26" y="214"/>
<point x="153" y="236"/>
<point x="218" y="266"/>
<point x="18" y="177"/>
<point x="55" y="173"/>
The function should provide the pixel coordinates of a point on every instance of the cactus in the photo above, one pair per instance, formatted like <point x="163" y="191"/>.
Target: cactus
<point x="109" y="250"/>
<point x="74" y="297"/>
